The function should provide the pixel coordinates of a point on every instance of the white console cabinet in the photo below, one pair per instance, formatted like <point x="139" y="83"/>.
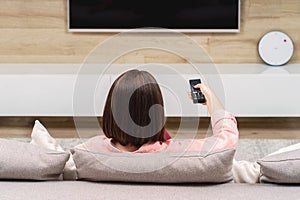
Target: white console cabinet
<point x="248" y="90"/>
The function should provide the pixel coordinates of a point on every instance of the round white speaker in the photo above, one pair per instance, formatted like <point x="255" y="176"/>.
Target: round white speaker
<point x="275" y="48"/>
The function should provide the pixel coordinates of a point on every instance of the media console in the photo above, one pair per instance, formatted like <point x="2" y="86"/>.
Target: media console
<point x="248" y="90"/>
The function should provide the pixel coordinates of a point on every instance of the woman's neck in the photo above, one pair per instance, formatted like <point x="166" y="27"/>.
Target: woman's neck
<point x="128" y="148"/>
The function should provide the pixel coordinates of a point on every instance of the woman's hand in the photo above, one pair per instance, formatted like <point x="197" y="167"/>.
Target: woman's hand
<point x="212" y="101"/>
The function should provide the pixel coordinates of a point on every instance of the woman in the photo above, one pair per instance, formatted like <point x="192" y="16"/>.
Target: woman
<point x="131" y="124"/>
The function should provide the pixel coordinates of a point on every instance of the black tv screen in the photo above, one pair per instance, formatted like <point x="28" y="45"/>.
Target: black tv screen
<point x="183" y="15"/>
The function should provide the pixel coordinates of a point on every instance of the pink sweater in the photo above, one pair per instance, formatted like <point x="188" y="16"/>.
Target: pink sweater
<point x="225" y="136"/>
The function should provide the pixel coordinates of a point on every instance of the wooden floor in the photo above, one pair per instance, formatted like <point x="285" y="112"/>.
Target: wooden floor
<point x="64" y="127"/>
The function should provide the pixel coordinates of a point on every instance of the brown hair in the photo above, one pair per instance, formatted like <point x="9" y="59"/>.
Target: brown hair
<point x="144" y="93"/>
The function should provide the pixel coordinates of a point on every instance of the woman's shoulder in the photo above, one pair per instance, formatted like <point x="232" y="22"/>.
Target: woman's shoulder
<point x="172" y="145"/>
<point x="98" y="143"/>
<point x="153" y="147"/>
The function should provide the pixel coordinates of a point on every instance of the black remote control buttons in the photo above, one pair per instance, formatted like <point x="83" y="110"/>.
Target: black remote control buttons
<point x="197" y="95"/>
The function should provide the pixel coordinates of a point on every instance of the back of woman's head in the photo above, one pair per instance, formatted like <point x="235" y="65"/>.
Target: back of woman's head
<point x="133" y="113"/>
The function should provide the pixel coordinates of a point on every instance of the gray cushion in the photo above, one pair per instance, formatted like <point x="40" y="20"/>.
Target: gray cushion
<point x="281" y="168"/>
<point x="154" y="167"/>
<point x="20" y="160"/>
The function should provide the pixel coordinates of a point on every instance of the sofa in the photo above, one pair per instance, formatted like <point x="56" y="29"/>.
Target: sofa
<point x="248" y="149"/>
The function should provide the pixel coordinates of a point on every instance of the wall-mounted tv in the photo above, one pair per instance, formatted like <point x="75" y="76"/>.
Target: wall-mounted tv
<point x="179" y="15"/>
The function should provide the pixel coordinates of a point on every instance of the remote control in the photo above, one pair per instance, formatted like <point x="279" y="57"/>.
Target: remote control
<point x="197" y="95"/>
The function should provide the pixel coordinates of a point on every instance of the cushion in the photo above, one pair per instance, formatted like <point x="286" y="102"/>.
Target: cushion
<point x="281" y="167"/>
<point x="160" y="167"/>
<point x="20" y="160"/>
<point x="245" y="172"/>
<point x="41" y="137"/>
<point x="286" y="149"/>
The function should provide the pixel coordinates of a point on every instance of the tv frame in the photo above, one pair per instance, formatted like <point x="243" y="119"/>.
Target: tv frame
<point x="157" y="30"/>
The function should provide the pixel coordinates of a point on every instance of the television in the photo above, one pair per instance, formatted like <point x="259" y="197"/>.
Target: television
<point x="151" y="15"/>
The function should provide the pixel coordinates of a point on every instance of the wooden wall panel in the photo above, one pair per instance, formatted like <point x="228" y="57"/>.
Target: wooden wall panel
<point x="35" y="31"/>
